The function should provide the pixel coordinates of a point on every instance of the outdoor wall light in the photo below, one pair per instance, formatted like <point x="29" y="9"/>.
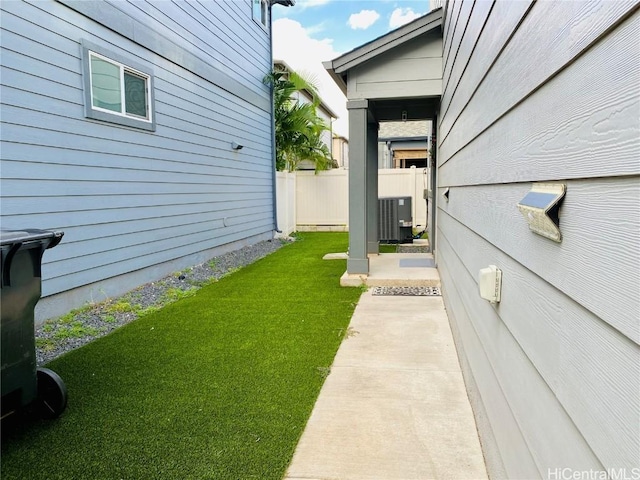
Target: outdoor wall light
<point x="541" y="208"/>
<point x="236" y="146"/>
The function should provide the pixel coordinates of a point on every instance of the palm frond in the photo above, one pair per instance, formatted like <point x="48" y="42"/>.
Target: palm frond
<point x="299" y="129"/>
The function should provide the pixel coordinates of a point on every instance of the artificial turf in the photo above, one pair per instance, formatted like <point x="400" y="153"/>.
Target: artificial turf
<point x="216" y="386"/>
<point x="388" y="248"/>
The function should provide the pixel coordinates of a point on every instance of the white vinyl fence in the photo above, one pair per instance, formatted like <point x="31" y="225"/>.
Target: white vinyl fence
<point x="286" y="202"/>
<point x="320" y="202"/>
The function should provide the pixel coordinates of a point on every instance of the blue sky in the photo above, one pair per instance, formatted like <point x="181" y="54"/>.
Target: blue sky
<point x="314" y="31"/>
<point x="349" y="23"/>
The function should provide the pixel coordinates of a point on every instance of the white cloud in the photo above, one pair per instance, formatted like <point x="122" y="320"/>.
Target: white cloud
<point x="402" y="16"/>
<point x="311" y="3"/>
<point x="315" y="29"/>
<point x="293" y="44"/>
<point x="363" y="20"/>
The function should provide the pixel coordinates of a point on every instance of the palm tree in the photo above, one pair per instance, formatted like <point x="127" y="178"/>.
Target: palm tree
<point x="298" y="127"/>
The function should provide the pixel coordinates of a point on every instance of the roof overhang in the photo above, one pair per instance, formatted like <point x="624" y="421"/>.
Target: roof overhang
<point x="339" y="67"/>
<point x="422" y="138"/>
<point x="408" y="144"/>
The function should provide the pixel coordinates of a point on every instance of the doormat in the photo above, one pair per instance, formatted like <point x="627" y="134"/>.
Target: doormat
<point x="413" y="248"/>
<point x="407" y="291"/>
<point x="416" y="262"/>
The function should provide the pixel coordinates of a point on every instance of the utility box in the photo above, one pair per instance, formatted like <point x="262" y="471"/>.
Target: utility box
<point x="490" y="283"/>
<point x="395" y="223"/>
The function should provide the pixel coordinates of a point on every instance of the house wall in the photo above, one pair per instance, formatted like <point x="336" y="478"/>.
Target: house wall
<point x="340" y="151"/>
<point x="385" y="159"/>
<point x="544" y="92"/>
<point x="327" y="135"/>
<point x="134" y="205"/>
<point x="411" y="69"/>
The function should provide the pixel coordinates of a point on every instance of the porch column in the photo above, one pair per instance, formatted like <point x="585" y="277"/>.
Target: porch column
<point x="372" y="188"/>
<point x="358" y="262"/>
<point x="433" y="201"/>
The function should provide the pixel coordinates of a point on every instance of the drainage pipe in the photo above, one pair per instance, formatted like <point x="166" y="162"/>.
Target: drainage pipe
<point x="273" y="127"/>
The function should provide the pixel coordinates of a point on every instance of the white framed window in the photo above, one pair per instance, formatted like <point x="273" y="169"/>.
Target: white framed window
<point x="261" y="12"/>
<point x="116" y="90"/>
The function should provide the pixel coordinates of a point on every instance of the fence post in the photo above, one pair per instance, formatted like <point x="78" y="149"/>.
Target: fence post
<point x="414" y="203"/>
<point x="293" y="202"/>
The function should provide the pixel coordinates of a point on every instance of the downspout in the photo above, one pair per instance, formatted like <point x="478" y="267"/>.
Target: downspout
<point x="273" y="128"/>
<point x="284" y="3"/>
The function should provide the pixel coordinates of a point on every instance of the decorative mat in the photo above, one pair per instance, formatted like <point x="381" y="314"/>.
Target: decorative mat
<point x="407" y="291"/>
<point x="413" y="248"/>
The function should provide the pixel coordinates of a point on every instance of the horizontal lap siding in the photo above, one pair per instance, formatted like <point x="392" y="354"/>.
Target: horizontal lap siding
<point x="129" y="199"/>
<point x="216" y="31"/>
<point x="580" y="358"/>
<point x="412" y="69"/>
<point x="517" y="381"/>
<point x="550" y="36"/>
<point x="551" y="95"/>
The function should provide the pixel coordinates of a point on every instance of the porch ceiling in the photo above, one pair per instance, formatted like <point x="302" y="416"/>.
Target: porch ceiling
<point x="404" y="109"/>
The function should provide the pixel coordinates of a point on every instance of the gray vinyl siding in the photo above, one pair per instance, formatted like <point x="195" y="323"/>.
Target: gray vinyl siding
<point x="544" y="92"/>
<point x="129" y="199"/>
<point x="411" y="69"/>
<point x="222" y="33"/>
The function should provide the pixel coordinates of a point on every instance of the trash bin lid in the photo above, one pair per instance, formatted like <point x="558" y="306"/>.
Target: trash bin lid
<point x="11" y="237"/>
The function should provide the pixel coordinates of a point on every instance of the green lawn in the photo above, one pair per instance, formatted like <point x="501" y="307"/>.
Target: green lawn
<point x="388" y="248"/>
<point x="216" y="386"/>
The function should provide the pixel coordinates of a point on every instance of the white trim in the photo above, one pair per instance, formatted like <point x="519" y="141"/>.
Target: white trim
<point x="264" y="6"/>
<point x="122" y="70"/>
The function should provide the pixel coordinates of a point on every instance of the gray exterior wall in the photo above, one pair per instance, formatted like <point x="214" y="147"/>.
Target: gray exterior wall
<point x="537" y="92"/>
<point x="135" y="205"/>
<point x="411" y="69"/>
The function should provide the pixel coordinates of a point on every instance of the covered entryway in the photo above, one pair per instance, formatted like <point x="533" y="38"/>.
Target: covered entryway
<point x="393" y="78"/>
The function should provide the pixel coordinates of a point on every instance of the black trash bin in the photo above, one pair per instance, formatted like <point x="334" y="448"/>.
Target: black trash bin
<point x="21" y="287"/>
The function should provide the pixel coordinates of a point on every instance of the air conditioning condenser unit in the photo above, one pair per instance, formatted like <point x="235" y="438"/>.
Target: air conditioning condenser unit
<point x="395" y="223"/>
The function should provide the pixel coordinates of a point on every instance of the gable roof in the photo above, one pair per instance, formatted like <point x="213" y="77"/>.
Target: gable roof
<point x="338" y="67"/>
<point x="404" y="130"/>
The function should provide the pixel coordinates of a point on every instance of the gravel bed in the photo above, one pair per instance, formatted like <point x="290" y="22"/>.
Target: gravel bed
<point x="58" y="336"/>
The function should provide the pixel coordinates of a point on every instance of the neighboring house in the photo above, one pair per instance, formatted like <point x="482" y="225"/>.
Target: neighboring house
<point x="118" y="126"/>
<point x="404" y="144"/>
<point x="323" y="111"/>
<point x="340" y="151"/>
<point x="524" y="93"/>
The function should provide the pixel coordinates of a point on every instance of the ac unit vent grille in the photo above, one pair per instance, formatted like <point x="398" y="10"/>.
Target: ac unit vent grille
<point x="395" y="220"/>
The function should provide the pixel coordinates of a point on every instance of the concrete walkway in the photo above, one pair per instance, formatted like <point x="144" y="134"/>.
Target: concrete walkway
<point x="394" y="405"/>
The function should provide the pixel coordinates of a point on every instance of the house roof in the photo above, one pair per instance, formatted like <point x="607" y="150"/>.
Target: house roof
<point x="338" y="67"/>
<point x="287" y="68"/>
<point x="418" y="129"/>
